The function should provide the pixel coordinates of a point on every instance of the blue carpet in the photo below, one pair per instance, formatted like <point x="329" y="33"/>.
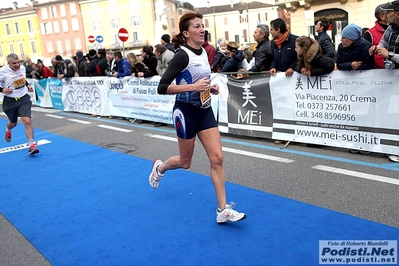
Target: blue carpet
<point x="79" y="204"/>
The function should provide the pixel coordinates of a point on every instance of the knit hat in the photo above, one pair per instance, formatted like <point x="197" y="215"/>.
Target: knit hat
<point x="58" y="57"/>
<point x="92" y="52"/>
<point x="166" y="38"/>
<point x="39" y="61"/>
<point x="79" y="54"/>
<point x="352" y="32"/>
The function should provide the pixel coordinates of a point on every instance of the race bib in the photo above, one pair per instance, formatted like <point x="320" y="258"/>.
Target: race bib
<point x="205" y="97"/>
<point x="19" y="83"/>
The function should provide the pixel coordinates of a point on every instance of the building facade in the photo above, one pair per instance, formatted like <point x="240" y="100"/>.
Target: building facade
<point x="339" y="12"/>
<point x="237" y="22"/>
<point x="19" y="34"/>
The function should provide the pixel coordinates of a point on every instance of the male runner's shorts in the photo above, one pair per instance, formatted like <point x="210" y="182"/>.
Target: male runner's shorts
<point x="14" y="107"/>
<point x="189" y="119"/>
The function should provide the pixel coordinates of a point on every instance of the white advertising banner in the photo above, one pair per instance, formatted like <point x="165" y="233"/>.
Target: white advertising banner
<point x="357" y="109"/>
<point x="86" y="95"/>
<point x="137" y="98"/>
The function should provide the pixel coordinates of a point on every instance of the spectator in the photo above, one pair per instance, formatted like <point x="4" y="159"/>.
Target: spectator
<point x="28" y="68"/>
<point x="283" y="51"/>
<point x="53" y="66"/>
<point x="327" y="47"/>
<point x="70" y="69"/>
<point x="234" y="63"/>
<point x="249" y="61"/>
<point x="242" y="73"/>
<point x="111" y="65"/>
<point x="210" y="49"/>
<point x="310" y="61"/>
<point x="164" y="56"/>
<point x="92" y="69"/>
<point x="388" y="47"/>
<point x="175" y="43"/>
<point x="165" y="40"/>
<point x="282" y="48"/>
<point x="150" y="60"/>
<point x="102" y="62"/>
<point x="59" y="67"/>
<point x="82" y="64"/>
<point x="374" y="34"/>
<point x="220" y="57"/>
<point x="135" y="65"/>
<point x="44" y="71"/>
<point x="353" y="51"/>
<point x="353" y="54"/>
<point x="75" y="61"/>
<point x="35" y="72"/>
<point x="262" y="54"/>
<point x="122" y="66"/>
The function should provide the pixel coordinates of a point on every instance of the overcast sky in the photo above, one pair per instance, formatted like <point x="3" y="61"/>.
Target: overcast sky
<point x="195" y="3"/>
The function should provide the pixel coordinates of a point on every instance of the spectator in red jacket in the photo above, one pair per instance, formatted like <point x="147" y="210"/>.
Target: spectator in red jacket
<point x="44" y="71"/>
<point x="210" y="49"/>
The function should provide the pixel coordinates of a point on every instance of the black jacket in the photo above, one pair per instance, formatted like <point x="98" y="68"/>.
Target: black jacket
<point x="286" y="57"/>
<point x="102" y="65"/>
<point x="82" y="67"/>
<point x="151" y="62"/>
<point x="263" y="56"/>
<point x="234" y="63"/>
<point x="92" y="67"/>
<point x="326" y="44"/>
<point x="358" y="51"/>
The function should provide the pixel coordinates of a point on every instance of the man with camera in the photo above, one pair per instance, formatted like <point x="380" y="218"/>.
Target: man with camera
<point x="389" y="44"/>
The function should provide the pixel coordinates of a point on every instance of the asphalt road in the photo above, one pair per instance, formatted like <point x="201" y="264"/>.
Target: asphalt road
<point x="360" y="185"/>
<point x="365" y="186"/>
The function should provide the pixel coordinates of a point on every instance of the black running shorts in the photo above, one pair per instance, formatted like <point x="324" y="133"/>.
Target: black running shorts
<point x="189" y="119"/>
<point x="14" y="107"/>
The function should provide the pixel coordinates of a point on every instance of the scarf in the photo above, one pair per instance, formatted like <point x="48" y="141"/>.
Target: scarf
<point x="280" y="40"/>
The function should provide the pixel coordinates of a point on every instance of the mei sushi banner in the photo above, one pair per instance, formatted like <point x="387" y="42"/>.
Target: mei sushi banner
<point x="245" y="106"/>
<point x="86" y="95"/>
<point x="357" y="109"/>
<point x="138" y="98"/>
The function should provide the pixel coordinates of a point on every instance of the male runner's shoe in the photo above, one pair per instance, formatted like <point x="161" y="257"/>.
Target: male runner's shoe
<point x="155" y="176"/>
<point x="7" y="136"/>
<point x="33" y="149"/>
<point x="229" y="215"/>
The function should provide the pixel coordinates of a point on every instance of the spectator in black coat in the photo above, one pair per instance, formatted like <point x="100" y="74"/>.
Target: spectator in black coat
<point x="353" y="51"/>
<point x="28" y="68"/>
<point x="150" y="60"/>
<point x="135" y="65"/>
<point x="70" y="69"/>
<point x="165" y="40"/>
<point x="102" y="62"/>
<point x="82" y="64"/>
<point x="92" y="67"/>
<point x="59" y="67"/>
<point x="262" y="54"/>
<point x="220" y="57"/>
<point x="234" y="63"/>
<point x="310" y="60"/>
<point x="327" y="47"/>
